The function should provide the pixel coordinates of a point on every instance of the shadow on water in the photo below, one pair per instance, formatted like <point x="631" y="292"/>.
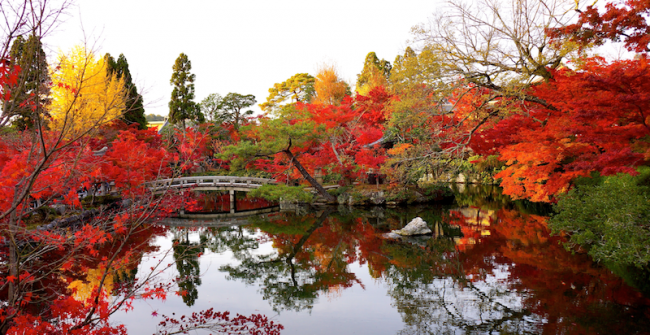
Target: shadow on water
<point x="490" y="266"/>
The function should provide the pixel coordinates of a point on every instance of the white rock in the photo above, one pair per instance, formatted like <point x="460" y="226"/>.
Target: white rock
<point x="417" y="226"/>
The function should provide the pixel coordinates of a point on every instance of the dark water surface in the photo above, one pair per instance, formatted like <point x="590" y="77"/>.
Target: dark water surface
<point x="491" y="267"/>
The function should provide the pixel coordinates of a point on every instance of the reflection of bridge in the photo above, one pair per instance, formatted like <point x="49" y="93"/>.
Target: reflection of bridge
<point x="219" y="219"/>
<point x="211" y="183"/>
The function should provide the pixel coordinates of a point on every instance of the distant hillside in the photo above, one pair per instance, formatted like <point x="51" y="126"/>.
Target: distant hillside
<point x="154" y="117"/>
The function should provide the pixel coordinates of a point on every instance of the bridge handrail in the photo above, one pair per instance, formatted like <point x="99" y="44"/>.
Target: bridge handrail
<point x="182" y="182"/>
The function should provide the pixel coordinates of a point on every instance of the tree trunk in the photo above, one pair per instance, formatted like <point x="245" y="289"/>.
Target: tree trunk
<point x="310" y="179"/>
<point x="336" y="153"/>
<point x="236" y="125"/>
<point x="14" y="286"/>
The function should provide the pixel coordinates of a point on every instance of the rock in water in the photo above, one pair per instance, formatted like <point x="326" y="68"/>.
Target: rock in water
<point x="419" y="240"/>
<point x="417" y="226"/>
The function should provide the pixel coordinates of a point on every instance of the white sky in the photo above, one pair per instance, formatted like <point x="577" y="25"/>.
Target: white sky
<point x="240" y="46"/>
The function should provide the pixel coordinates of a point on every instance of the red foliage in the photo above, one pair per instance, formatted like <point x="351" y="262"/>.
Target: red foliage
<point x="255" y="324"/>
<point x="357" y="122"/>
<point x="134" y="158"/>
<point x="36" y="280"/>
<point x="627" y="22"/>
<point x="192" y="147"/>
<point x="351" y="126"/>
<point x="600" y="121"/>
<point x="372" y="108"/>
<point x="8" y="78"/>
<point x="69" y="313"/>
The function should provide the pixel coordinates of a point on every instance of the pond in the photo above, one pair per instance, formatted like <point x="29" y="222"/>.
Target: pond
<point x="491" y="267"/>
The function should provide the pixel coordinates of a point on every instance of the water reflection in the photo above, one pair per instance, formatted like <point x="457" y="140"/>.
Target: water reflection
<point x="234" y="239"/>
<point x="491" y="266"/>
<point x="71" y="285"/>
<point x="292" y="277"/>
<point x="212" y="202"/>
<point x="186" y="256"/>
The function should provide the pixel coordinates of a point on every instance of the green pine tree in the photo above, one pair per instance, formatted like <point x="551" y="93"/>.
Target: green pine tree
<point x="134" y="111"/>
<point x="30" y="96"/>
<point x="182" y="106"/>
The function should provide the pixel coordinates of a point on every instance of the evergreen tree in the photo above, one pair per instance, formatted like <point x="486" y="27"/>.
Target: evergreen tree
<point x="232" y="105"/>
<point x="228" y="109"/>
<point x="182" y="106"/>
<point x="375" y="73"/>
<point x="29" y="98"/>
<point x="298" y="88"/>
<point x="134" y="110"/>
<point x="211" y="107"/>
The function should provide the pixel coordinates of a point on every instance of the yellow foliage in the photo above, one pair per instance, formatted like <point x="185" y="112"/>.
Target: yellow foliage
<point x="84" y="96"/>
<point x="84" y="290"/>
<point x="330" y="88"/>
<point x="376" y="79"/>
<point x="399" y="149"/>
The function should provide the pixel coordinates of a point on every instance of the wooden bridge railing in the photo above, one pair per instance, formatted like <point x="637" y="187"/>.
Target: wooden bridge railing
<point x="208" y="182"/>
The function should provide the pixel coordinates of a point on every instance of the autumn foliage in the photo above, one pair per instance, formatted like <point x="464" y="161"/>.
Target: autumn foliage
<point x="84" y="94"/>
<point x="621" y="21"/>
<point x="75" y="207"/>
<point x="334" y="138"/>
<point x="598" y="122"/>
<point x="59" y="272"/>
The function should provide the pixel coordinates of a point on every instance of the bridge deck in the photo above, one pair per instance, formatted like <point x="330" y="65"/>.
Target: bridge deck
<point x="210" y="183"/>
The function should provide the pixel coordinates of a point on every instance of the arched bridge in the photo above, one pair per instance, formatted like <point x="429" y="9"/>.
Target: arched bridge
<point x="210" y="183"/>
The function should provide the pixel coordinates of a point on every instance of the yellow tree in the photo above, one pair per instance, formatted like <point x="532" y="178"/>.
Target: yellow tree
<point x="330" y="88"/>
<point x="84" y="94"/>
<point x="417" y="80"/>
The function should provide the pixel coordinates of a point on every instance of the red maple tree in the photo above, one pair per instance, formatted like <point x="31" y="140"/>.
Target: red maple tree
<point x="626" y="21"/>
<point x="598" y="123"/>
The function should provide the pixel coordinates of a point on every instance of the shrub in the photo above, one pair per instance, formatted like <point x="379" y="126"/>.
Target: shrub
<point x="283" y="192"/>
<point x="610" y="218"/>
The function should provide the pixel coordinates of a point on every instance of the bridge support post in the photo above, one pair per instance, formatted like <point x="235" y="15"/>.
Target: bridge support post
<point x="232" y="201"/>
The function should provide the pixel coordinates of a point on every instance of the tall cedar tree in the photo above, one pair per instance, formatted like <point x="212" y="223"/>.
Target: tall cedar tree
<point x="182" y="106"/>
<point x="134" y="110"/>
<point x="34" y="79"/>
<point x="375" y="73"/>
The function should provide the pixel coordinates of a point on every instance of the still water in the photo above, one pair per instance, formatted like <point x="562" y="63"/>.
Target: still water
<point x="491" y="267"/>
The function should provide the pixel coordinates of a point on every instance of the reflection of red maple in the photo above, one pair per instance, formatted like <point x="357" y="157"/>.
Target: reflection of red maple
<point x="330" y="248"/>
<point x="558" y="282"/>
<point x="215" y="203"/>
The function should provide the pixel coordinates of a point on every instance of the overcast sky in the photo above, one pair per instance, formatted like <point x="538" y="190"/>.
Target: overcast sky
<point x="239" y="46"/>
